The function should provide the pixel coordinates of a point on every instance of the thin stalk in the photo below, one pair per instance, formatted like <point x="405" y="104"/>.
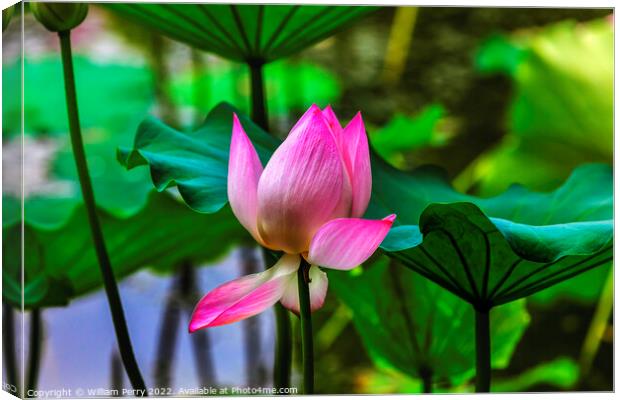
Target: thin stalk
<point x="259" y="103"/>
<point x="282" y="363"/>
<point x="604" y="310"/>
<point x="199" y="92"/>
<point x="109" y="282"/>
<point x="34" y="351"/>
<point x="283" y="354"/>
<point x="399" y="44"/>
<point x="427" y="379"/>
<point x="305" y="316"/>
<point x="483" y="351"/>
<point x="158" y="48"/>
<point x="9" y="347"/>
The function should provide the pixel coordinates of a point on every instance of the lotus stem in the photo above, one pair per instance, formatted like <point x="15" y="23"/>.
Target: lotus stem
<point x="157" y="49"/>
<point x="9" y="347"/>
<point x="596" y="331"/>
<point x="427" y="379"/>
<point x="34" y="349"/>
<point x="283" y="355"/>
<point x="282" y="363"/>
<point x="399" y="44"/>
<point x="199" y="91"/>
<point x="109" y="282"/>
<point x="483" y="351"/>
<point x="307" y="351"/>
<point x="259" y="103"/>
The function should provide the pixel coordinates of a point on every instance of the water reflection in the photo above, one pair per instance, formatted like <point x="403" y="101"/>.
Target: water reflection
<point x="79" y="340"/>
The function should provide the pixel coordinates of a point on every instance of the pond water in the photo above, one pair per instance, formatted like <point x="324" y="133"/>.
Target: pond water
<point x="79" y="341"/>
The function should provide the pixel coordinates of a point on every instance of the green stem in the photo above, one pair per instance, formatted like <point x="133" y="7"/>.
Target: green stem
<point x="9" y="347"/>
<point x="34" y="351"/>
<point x="200" y="93"/>
<point x="283" y="355"/>
<point x="307" y="352"/>
<point x="483" y="351"/>
<point x="602" y="314"/>
<point x="282" y="363"/>
<point x="109" y="282"/>
<point x="259" y="104"/>
<point x="158" y="48"/>
<point x="427" y="379"/>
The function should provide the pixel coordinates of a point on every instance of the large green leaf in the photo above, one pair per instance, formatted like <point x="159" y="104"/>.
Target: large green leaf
<point x="560" y="117"/>
<point x="561" y="113"/>
<point x="488" y="263"/>
<point x="585" y="288"/>
<point x="572" y="224"/>
<point x="127" y="94"/>
<point x="40" y="288"/>
<point x="196" y="162"/>
<point x="561" y="372"/>
<point x="110" y="96"/>
<point x="410" y="324"/>
<point x="403" y="133"/>
<point x="244" y="32"/>
<point x="117" y="191"/>
<point x="140" y="230"/>
<point x="60" y="263"/>
<point x="587" y="195"/>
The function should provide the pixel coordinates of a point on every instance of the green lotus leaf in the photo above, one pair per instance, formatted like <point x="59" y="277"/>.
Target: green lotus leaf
<point x="584" y="289"/>
<point x="410" y="324"/>
<point x="561" y="113"/>
<point x="561" y="372"/>
<point x="244" y="32"/>
<point x="489" y="263"/>
<point x="39" y="286"/>
<point x="125" y="90"/>
<point x="127" y="94"/>
<point x="140" y="230"/>
<point x="404" y="133"/>
<point x="196" y="162"/>
<point x="117" y="191"/>
<point x="60" y="261"/>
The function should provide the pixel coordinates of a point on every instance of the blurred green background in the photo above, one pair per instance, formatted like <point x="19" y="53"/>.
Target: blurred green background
<point x="495" y="96"/>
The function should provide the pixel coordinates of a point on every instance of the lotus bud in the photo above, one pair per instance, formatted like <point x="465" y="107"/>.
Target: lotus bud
<point x="307" y="202"/>
<point x="59" y="17"/>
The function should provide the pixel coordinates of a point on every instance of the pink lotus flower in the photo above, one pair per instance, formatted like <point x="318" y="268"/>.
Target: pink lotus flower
<point x="307" y="202"/>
